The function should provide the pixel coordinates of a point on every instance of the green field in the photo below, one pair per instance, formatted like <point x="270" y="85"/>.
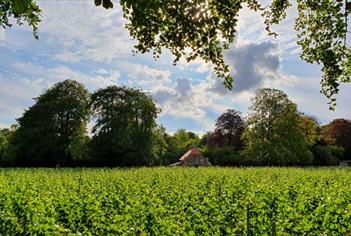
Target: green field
<point x="171" y="201"/>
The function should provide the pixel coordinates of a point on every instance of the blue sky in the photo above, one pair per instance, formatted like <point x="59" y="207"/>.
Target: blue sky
<point x="79" y="41"/>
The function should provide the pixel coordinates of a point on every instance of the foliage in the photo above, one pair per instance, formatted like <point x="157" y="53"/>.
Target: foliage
<point x="273" y="135"/>
<point x="204" y="139"/>
<point x="338" y="132"/>
<point x="3" y="145"/>
<point x="50" y="132"/>
<point x="228" y="131"/>
<point x="123" y="131"/>
<point x="309" y="126"/>
<point x="327" y="155"/>
<point x="322" y="33"/>
<point x="223" y="156"/>
<point x="23" y="11"/>
<point x="215" y="139"/>
<point x="207" y="28"/>
<point x="176" y="201"/>
<point x="78" y="147"/>
<point x="158" y="146"/>
<point x="204" y="29"/>
<point x="6" y="136"/>
<point x="179" y="143"/>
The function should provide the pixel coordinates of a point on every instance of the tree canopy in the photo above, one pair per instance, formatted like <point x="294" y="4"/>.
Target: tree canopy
<point x="273" y="135"/>
<point x="205" y="29"/>
<point x="23" y="11"/>
<point x="3" y="144"/>
<point x="230" y="127"/>
<point x="123" y="131"/>
<point x="53" y="131"/>
<point x="338" y="132"/>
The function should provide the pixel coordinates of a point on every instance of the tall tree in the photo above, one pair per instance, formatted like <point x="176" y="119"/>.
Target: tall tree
<point x="6" y="135"/>
<point x="272" y="134"/>
<point x="206" y="28"/>
<point x="338" y="132"/>
<point x="158" y="146"/>
<point x="310" y="128"/>
<point x="228" y="131"/>
<point x="123" y="132"/>
<point x="51" y="131"/>
<point x="3" y="145"/>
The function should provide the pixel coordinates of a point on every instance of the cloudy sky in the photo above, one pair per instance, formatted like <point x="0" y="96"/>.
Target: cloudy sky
<point x="79" y="41"/>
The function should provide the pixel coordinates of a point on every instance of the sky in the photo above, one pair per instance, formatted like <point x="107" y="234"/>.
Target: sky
<point x="82" y="42"/>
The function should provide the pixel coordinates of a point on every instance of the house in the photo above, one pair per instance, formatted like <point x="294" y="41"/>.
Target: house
<point x="193" y="157"/>
<point x="345" y="163"/>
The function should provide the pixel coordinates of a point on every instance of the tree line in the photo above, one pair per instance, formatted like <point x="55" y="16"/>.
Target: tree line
<point x="53" y="132"/>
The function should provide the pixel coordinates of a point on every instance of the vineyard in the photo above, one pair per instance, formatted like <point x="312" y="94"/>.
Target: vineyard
<point x="173" y="201"/>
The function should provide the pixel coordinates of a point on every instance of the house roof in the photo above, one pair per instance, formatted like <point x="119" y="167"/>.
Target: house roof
<point x="192" y="152"/>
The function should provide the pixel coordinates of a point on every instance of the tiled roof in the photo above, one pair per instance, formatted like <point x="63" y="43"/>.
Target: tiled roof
<point x="190" y="153"/>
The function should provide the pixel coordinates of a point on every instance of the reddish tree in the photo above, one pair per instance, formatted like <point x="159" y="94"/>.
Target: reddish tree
<point x="228" y="131"/>
<point x="338" y="132"/>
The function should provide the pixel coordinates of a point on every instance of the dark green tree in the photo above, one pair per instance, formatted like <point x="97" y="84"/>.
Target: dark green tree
<point x="208" y="27"/>
<point x="123" y="132"/>
<point x="6" y="135"/>
<point x="53" y="131"/>
<point x="327" y="155"/>
<point x="273" y="135"/>
<point x="3" y="146"/>
<point x="204" y="139"/>
<point x="158" y="146"/>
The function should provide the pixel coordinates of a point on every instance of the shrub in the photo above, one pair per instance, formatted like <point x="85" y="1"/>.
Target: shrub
<point x="327" y="155"/>
<point x="223" y="156"/>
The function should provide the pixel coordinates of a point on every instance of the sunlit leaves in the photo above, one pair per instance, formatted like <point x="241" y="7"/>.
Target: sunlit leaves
<point x="322" y="32"/>
<point x="273" y="135"/>
<point x="23" y="11"/>
<point x="204" y="29"/>
<point x="200" y="29"/>
<point x="105" y="3"/>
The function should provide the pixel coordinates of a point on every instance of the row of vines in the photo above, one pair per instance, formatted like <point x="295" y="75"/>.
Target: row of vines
<point x="176" y="201"/>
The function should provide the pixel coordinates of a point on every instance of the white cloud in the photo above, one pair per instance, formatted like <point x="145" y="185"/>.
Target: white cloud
<point x="39" y="76"/>
<point x="203" y="67"/>
<point x="200" y="65"/>
<point x="15" y="96"/>
<point x="84" y="31"/>
<point x="2" y="34"/>
<point x="30" y="80"/>
<point x="102" y="71"/>
<point x="145" y="76"/>
<point x="179" y="101"/>
<point x="251" y="28"/>
<point x="253" y="65"/>
<point x="186" y="100"/>
<point x="306" y="94"/>
<point x="82" y="42"/>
